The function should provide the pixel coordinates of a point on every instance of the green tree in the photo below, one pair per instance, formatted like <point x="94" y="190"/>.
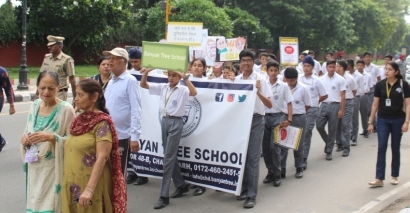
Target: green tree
<point x="213" y="18"/>
<point x="245" y="24"/>
<point x="9" y="31"/>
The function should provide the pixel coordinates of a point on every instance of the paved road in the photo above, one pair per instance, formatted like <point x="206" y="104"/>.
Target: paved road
<point x="339" y="185"/>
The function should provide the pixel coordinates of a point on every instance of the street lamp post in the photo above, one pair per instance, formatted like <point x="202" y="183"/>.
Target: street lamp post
<point x="23" y="66"/>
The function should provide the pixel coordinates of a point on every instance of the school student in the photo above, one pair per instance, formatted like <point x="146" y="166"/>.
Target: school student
<point x="364" y="107"/>
<point x="358" y="78"/>
<point x="300" y="105"/>
<point x="317" y="95"/>
<point x="332" y="108"/>
<point x="344" y="126"/>
<point x="173" y="97"/>
<point x="251" y="174"/>
<point x="281" y="98"/>
<point x="329" y="56"/>
<point x="372" y="70"/>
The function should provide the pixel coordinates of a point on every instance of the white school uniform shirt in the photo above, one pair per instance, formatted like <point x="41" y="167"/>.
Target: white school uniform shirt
<point x="324" y="70"/>
<point x="358" y="78"/>
<point x="262" y="73"/>
<point x="172" y="101"/>
<point x="350" y="85"/>
<point x="373" y="70"/>
<point x="382" y="72"/>
<point x="317" y="67"/>
<point x="367" y="82"/>
<point x="315" y="87"/>
<point x="265" y="90"/>
<point x="333" y="85"/>
<point x="301" y="99"/>
<point x="280" y="97"/>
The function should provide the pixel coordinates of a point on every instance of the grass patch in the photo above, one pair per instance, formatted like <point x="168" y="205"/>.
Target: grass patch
<point x="80" y="71"/>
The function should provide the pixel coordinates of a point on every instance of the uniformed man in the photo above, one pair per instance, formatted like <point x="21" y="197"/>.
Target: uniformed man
<point x="60" y="63"/>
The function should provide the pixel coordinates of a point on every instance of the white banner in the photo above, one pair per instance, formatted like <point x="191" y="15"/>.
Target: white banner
<point x="289" y="51"/>
<point x="214" y="142"/>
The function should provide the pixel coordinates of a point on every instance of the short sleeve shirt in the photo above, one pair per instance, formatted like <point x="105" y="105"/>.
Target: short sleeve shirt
<point x="373" y="70"/>
<point x="315" y="88"/>
<point x="333" y="85"/>
<point x="280" y="97"/>
<point x="396" y="97"/>
<point x="301" y="99"/>
<point x="265" y="90"/>
<point x="358" y="79"/>
<point x="350" y="85"/>
<point x="173" y="100"/>
<point x="63" y="65"/>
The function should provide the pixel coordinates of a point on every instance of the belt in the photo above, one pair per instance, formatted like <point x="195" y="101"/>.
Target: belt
<point x="171" y="117"/>
<point x="256" y="114"/>
<point x="273" y="114"/>
<point x="298" y="114"/>
<point x="63" y="90"/>
<point x="331" y="102"/>
<point x="348" y="99"/>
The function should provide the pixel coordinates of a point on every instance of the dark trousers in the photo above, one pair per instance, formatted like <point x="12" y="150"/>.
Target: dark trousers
<point x="385" y="127"/>
<point x="271" y="152"/>
<point x="297" y="121"/>
<point x="124" y="146"/>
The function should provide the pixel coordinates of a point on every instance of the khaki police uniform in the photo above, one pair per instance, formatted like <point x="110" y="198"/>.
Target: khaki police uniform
<point x="63" y="65"/>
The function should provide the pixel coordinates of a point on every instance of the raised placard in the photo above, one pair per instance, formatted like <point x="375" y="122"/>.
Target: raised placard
<point x="165" y="56"/>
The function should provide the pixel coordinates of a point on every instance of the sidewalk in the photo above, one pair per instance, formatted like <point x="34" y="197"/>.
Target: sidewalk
<point x="27" y="95"/>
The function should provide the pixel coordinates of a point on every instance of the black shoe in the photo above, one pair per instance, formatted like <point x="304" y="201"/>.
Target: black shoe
<point x="268" y="179"/>
<point x="161" y="203"/>
<point x="366" y="135"/>
<point x="2" y="144"/>
<point x="277" y="181"/>
<point x="299" y="173"/>
<point x="180" y="191"/>
<point x="283" y="174"/>
<point x="193" y="186"/>
<point x="199" y="190"/>
<point x="345" y="153"/>
<point x="329" y="157"/>
<point x="261" y="154"/>
<point x="304" y="163"/>
<point x="249" y="203"/>
<point x="131" y="177"/>
<point x="354" y="143"/>
<point x="242" y="196"/>
<point x="141" y="181"/>
<point x="339" y="149"/>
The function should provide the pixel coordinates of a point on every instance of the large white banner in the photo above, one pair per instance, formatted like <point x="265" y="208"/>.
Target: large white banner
<point x="217" y="123"/>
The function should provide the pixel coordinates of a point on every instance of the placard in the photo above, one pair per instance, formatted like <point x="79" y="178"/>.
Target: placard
<point x="164" y="56"/>
<point x="209" y="47"/>
<point x="289" y="51"/>
<point x="198" y="51"/>
<point x="288" y="137"/>
<point x="185" y="33"/>
<point x="229" y="49"/>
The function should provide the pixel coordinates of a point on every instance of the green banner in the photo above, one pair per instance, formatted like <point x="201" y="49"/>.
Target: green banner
<point x="164" y="56"/>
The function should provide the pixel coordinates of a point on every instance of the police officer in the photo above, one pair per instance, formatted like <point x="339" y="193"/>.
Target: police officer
<point x="60" y="63"/>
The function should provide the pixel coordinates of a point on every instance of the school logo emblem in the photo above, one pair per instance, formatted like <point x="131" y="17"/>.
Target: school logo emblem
<point x="242" y="98"/>
<point x="174" y="102"/>
<point x="333" y="88"/>
<point x="192" y="117"/>
<point x="398" y="90"/>
<point x="219" y="97"/>
<point x="276" y="97"/>
<point x="231" y="97"/>
<point x="297" y="102"/>
<point x="312" y="89"/>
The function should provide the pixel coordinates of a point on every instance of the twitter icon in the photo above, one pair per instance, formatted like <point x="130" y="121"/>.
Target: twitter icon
<point x="242" y="98"/>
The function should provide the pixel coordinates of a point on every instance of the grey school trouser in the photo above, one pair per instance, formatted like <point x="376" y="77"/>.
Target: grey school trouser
<point x="355" y="118"/>
<point x="344" y="126"/>
<point x="251" y="175"/>
<point x="171" y="135"/>
<point x="271" y="152"/>
<point x="297" y="121"/>
<point x="311" y="116"/>
<point x="364" y="111"/>
<point x="328" y="114"/>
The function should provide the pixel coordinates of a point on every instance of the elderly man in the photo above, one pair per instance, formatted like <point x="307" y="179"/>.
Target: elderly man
<point x="60" y="63"/>
<point x="124" y="103"/>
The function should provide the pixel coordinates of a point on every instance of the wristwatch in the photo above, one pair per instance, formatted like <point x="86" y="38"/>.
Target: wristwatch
<point x="289" y="121"/>
<point x="186" y="77"/>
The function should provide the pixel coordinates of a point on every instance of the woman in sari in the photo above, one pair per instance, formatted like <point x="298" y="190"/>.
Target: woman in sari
<point x="93" y="180"/>
<point x="48" y="125"/>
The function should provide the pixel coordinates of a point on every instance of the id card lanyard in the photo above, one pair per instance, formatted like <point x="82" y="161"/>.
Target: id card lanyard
<point x="166" y="99"/>
<point x="388" y="100"/>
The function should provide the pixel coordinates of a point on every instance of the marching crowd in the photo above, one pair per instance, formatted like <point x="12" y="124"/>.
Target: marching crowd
<point x="76" y="155"/>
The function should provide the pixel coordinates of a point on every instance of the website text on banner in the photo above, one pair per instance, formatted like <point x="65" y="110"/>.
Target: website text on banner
<point x="165" y="56"/>
<point x="185" y="33"/>
<point x="289" y="51"/>
<point x="212" y="152"/>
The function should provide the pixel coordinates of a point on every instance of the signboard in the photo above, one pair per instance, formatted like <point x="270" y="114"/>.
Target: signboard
<point x="197" y="51"/>
<point x="229" y="49"/>
<point x="288" y="137"/>
<point x="210" y="157"/>
<point x="209" y="47"/>
<point x="164" y="56"/>
<point x="185" y="33"/>
<point x="289" y="51"/>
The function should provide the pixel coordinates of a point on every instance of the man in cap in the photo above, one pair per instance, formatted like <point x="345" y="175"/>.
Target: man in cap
<point x="123" y="100"/>
<point x="60" y="63"/>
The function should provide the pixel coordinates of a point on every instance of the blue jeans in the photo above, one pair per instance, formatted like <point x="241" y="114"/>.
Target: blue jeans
<point x="384" y="128"/>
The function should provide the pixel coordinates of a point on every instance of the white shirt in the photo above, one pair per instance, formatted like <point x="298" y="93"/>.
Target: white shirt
<point x="324" y="70"/>
<point x="333" y="86"/>
<point x="317" y="67"/>
<point x="259" y="106"/>
<point x="350" y="85"/>
<point x="373" y="70"/>
<point x="382" y="72"/>
<point x="280" y="97"/>
<point x="315" y="87"/>
<point x="123" y="100"/>
<point x="262" y="73"/>
<point x="301" y="99"/>
<point x="367" y="82"/>
<point x="358" y="78"/>
<point x="173" y="100"/>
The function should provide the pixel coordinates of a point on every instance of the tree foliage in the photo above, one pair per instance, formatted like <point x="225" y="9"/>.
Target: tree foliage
<point x="9" y="31"/>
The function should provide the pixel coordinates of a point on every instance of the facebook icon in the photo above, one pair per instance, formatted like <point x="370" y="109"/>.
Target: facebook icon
<point x="219" y="97"/>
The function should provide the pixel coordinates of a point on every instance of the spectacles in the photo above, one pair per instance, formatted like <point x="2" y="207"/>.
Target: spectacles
<point x="246" y="60"/>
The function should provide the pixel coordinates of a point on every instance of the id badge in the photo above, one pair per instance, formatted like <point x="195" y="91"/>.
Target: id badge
<point x="31" y="154"/>
<point x="163" y="112"/>
<point x="388" y="102"/>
